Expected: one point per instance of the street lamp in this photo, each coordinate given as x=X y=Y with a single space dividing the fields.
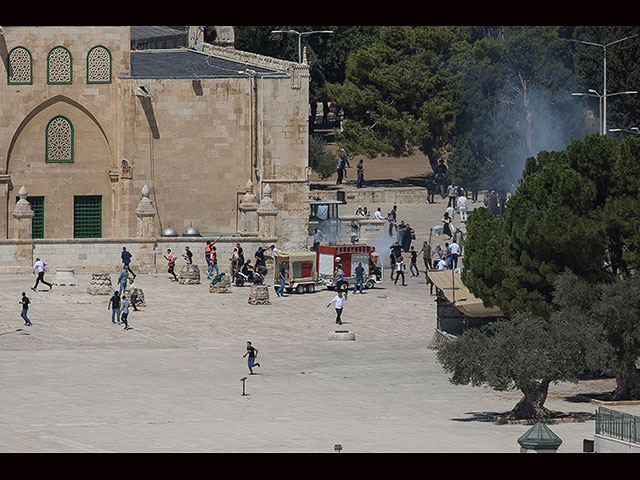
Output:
x=603 y=99
x=634 y=130
x=604 y=93
x=300 y=35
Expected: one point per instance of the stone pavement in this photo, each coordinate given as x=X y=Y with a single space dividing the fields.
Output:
x=73 y=382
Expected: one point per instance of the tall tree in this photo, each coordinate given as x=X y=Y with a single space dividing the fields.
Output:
x=397 y=93
x=572 y=209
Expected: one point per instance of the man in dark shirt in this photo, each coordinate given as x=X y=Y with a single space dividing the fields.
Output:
x=114 y=305
x=188 y=255
x=359 y=278
x=25 y=307
x=126 y=259
x=253 y=353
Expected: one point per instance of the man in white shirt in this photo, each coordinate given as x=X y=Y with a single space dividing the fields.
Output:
x=455 y=253
x=442 y=265
x=337 y=300
x=39 y=267
x=377 y=215
x=461 y=205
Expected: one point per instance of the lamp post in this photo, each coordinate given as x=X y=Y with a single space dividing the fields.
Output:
x=634 y=130
x=602 y=99
x=300 y=35
x=604 y=93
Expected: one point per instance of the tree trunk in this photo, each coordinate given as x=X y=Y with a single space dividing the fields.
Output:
x=628 y=384
x=531 y=406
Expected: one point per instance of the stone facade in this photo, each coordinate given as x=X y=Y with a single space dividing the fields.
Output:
x=191 y=144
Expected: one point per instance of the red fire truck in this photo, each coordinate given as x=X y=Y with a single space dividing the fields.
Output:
x=330 y=256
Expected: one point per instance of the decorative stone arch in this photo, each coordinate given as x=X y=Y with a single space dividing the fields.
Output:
x=59 y=66
x=32 y=114
x=99 y=64
x=19 y=66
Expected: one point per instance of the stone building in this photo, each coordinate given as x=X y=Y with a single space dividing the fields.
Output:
x=88 y=121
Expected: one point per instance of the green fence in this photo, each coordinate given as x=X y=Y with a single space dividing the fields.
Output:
x=618 y=425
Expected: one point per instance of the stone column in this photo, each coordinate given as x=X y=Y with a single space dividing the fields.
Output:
x=23 y=215
x=146 y=213
x=248 y=216
x=267 y=214
x=5 y=187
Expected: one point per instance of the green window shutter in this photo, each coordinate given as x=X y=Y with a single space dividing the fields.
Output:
x=37 y=223
x=87 y=216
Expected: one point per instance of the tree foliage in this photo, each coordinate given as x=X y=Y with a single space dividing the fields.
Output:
x=527 y=353
x=573 y=209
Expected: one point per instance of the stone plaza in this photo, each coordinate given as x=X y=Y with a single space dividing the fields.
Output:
x=74 y=382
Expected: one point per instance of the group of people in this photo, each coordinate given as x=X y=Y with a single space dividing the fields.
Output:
x=343 y=164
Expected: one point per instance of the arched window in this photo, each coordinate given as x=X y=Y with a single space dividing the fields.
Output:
x=59 y=66
x=20 y=67
x=99 y=65
x=59 y=141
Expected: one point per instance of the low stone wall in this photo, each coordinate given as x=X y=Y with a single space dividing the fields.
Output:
x=103 y=255
x=375 y=195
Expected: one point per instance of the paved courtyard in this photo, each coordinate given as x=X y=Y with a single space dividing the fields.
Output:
x=73 y=382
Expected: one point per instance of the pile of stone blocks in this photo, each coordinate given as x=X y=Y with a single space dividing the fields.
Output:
x=100 y=284
x=189 y=274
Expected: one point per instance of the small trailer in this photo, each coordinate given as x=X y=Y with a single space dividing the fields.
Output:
x=348 y=256
x=300 y=271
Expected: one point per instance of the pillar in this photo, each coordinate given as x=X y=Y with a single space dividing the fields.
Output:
x=23 y=215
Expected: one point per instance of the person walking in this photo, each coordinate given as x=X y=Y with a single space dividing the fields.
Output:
x=426 y=254
x=252 y=353
x=126 y=260
x=39 y=267
x=462 y=206
x=359 y=278
x=338 y=301
x=455 y=253
x=133 y=294
x=171 y=262
x=392 y=223
x=412 y=264
x=360 y=170
x=207 y=258
x=214 y=261
x=451 y=192
x=339 y=275
x=122 y=280
x=281 y=279
x=400 y=267
x=124 y=312
x=25 y=308
x=114 y=305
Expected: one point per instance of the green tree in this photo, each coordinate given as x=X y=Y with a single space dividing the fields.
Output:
x=527 y=353
x=321 y=160
x=398 y=92
x=571 y=209
x=614 y=308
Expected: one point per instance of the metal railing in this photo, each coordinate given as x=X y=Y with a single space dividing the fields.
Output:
x=622 y=426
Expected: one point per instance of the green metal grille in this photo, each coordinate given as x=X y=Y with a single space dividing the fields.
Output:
x=618 y=425
x=37 y=223
x=87 y=216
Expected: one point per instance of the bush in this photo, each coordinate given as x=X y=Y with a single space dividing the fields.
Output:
x=321 y=160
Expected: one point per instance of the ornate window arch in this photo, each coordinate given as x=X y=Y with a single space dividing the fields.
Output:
x=59 y=66
x=59 y=140
x=20 y=67
x=99 y=65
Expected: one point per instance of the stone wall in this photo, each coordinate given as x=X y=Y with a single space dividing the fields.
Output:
x=103 y=255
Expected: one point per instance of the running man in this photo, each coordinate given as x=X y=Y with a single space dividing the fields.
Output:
x=39 y=266
x=171 y=261
x=251 y=361
x=338 y=299
x=25 y=307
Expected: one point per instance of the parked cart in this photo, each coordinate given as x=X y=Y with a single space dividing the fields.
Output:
x=300 y=267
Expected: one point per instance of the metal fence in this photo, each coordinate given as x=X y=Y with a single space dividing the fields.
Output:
x=622 y=426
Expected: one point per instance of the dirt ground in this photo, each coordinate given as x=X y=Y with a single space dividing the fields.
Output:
x=381 y=170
